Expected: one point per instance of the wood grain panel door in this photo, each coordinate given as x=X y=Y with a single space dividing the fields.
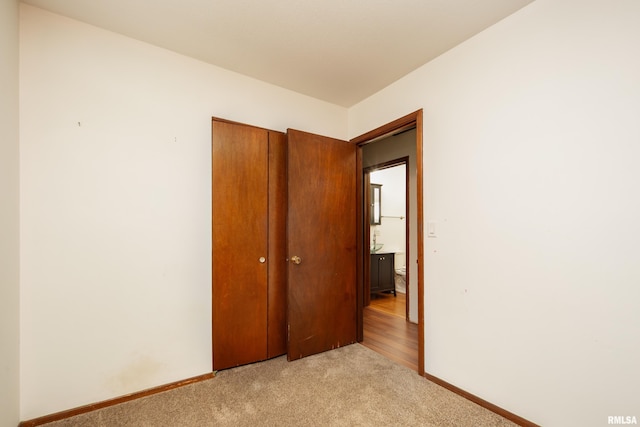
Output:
x=322 y=234
x=248 y=267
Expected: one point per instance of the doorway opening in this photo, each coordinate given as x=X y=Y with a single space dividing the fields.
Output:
x=398 y=142
x=389 y=322
x=389 y=232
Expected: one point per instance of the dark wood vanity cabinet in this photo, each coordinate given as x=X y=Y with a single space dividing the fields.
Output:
x=382 y=273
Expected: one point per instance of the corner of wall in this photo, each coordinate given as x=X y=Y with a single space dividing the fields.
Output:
x=9 y=216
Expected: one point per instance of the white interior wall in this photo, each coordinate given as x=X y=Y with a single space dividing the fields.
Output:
x=392 y=230
x=531 y=143
x=9 y=216
x=393 y=148
x=529 y=171
x=116 y=207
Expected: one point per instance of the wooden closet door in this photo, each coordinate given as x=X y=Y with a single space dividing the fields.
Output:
x=277 y=259
x=240 y=178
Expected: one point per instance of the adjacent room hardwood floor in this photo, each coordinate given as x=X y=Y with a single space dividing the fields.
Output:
x=389 y=304
x=387 y=332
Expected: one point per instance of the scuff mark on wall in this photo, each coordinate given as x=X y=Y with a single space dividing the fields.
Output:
x=137 y=375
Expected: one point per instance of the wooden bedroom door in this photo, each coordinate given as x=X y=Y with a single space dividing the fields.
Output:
x=322 y=244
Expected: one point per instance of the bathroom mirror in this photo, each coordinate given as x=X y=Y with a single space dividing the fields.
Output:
x=376 y=203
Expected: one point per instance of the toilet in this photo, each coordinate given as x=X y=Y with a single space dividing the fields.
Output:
x=401 y=273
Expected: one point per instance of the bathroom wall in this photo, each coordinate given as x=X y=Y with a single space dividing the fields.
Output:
x=392 y=232
x=116 y=207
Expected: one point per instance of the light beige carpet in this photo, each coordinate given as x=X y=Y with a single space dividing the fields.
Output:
x=349 y=386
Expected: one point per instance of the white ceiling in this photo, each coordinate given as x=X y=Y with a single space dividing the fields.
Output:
x=341 y=51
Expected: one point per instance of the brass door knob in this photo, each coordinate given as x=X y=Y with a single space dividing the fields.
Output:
x=296 y=259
